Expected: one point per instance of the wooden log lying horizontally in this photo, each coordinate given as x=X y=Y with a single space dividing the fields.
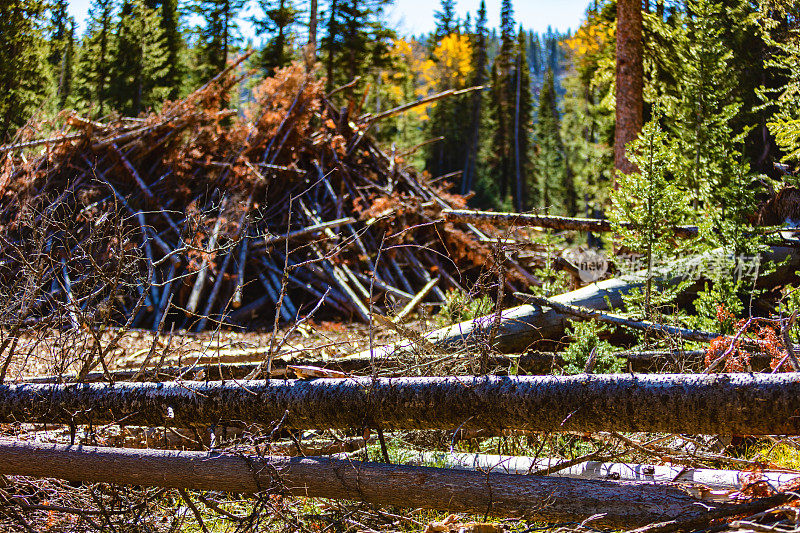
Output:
x=530 y=363
x=521 y=326
x=531 y=497
x=547 y=221
x=720 y=482
x=742 y=404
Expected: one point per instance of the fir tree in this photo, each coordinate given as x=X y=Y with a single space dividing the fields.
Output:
x=96 y=51
x=139 y=61
x=445 y=20
x=60 y=56
x=218 y=33
x=550 y=169
x=479 y=59
x=357 y=40
x=279 y=17
x=67 y=63
x=522 y=121
x=702 y=115
x=23 y=72
x=502 y=162
x=59 y=26
x=175 y=75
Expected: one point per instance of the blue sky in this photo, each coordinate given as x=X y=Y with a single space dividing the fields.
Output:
x=416 y=16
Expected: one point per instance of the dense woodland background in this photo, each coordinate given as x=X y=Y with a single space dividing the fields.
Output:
x=721 y=84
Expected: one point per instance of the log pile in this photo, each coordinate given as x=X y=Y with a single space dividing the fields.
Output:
x=206 y=214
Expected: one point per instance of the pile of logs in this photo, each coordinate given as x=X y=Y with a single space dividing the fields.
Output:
x=207 y=215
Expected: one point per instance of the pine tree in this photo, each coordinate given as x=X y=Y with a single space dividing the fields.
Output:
x=479 y=59
x=502 y=162
x=67 y=63
x=175 y=76
x=61 y=45
x=59 y=26
x=522 y=120
x=445 y=19
x=708 y=156
x=139 y=62
x=218 y=34
x=279 y=17
x=550 y=169
x=23 y=72
x=97 y=49
x=649 y=202
x=357 y=40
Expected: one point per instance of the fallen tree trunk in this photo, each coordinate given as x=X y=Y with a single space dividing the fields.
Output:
x=548 y=221
x=742 y=404
x=709 y=483
x=531 y=363
x=531 y=497
x=521 y=326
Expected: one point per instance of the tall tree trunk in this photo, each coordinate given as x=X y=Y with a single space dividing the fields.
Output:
x=312 y=26
x=630 y=74
x=536 y=498
x=743 y=404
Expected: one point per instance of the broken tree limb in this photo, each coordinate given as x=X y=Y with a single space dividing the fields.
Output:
x=523 y=325
x=643 y=325
x=410 y=306
x=743 y=404
x=309 y=231
x=548 y=221
x=531 y=497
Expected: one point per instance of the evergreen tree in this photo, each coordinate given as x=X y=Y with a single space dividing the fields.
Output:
x=67 y=62
x=522 y=120
x=139 y=61
x=535 y=54
x=279 y=17
x=218 y=34
x=445 y=20
x=550 y=169
x=502 y=161
x=175 y=75
x=357 y=40
x=97 y=49
x=479 y=59
x=61 y=45
x=707 y=149
x=23 y=73
x=59 y=26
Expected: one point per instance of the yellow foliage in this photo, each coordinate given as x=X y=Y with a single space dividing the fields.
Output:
x=590 y=39
x=450 y=65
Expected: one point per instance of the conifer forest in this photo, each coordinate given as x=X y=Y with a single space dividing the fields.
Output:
x=293 y=265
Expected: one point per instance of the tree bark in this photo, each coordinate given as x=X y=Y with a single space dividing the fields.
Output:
x=530 y=497
x=523 y=325
x=630 y=75
x=743 y=404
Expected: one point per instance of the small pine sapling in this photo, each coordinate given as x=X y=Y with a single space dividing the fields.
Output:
x=649 y=202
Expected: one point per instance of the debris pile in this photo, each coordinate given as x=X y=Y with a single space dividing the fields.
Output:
x=200 y=215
